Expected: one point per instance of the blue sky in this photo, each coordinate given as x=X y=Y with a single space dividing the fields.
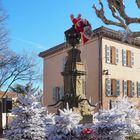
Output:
x=40 y=24
x=37 y=25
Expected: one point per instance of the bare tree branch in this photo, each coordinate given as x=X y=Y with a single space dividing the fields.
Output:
x=118 y=6
x=138 y=3
x=20 y=68
x=100 y=13
x=114 y=13
x=9 y=85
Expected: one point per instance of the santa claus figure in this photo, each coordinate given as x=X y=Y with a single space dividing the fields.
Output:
x=82 y=26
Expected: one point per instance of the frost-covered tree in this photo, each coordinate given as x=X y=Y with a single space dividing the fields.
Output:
x=29 y=119
x=109 y=125
x=65 y=125
x=119 y=122
x=131 y=113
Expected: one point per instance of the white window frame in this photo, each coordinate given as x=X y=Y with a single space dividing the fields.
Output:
x=124 y=57
x=107 y=54
x=133 y=88
x=117 y=55
x=132 y=58
x=108 y=87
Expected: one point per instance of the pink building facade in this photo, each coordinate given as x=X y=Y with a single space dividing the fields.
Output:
x=112 y=67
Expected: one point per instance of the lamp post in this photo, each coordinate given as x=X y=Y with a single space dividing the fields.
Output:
x=70 y=72
x=72 y=36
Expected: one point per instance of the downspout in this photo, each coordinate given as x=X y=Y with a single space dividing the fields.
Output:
x=100 y=73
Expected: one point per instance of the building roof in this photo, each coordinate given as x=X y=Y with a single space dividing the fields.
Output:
x=99 y=32
x=8 y=94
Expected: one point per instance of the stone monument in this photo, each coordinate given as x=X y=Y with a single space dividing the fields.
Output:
x=74 y=75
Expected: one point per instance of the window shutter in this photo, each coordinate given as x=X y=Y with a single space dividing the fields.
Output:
x=107 y=53
x=117 y=56
x=133 y=88
x=128 y=58
x=125 y=87
x=124 y=57
x=132 y=58
x=129 y=88
x=138 y=88
x=60 y=93
x=108 y=87
x=113 y=55
x=117 y=87
x=113 y=87
x=54 y=94
x=57 y=93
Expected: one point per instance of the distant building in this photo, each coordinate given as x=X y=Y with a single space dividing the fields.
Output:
x=112 y=67
x=8 y=101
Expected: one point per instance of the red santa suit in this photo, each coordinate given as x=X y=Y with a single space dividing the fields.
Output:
x=82 y=26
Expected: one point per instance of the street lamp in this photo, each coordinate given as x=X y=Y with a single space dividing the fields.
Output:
x=72 y=36
x=74 y=76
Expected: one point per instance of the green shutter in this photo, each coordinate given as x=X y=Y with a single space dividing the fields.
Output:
x=117 y=87
x=133 y=88
x=138 y=88
x=108 y=87
x=124 y=87
x=60 y=93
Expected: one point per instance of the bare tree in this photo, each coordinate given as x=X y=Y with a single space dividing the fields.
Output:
x=13 y=67
x=20 y=68
x=117 y=8
x=4 y=39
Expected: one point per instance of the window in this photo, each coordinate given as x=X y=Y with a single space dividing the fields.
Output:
x=138 y=88
x=124 y=87
x=117 y=56
x=133 y=88
x=112 y=87
x=124 y=57
x=57 y=94
x=127 y=58
x=132 y=58
x=108 y=87
x=112 y=55
x=107 y=53
x=117 y=87
x=128 y=88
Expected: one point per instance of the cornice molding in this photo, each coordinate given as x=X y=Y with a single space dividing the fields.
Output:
x=99 y=32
